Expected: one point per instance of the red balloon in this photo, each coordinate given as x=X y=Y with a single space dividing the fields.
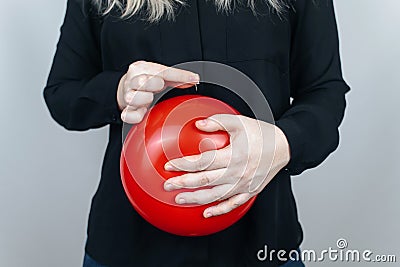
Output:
x=168 y=131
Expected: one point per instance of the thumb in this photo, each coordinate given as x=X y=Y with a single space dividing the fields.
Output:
x=219 y=122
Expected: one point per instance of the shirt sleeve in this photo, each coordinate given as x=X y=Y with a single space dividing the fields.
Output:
x=79 y=93
x=317 y=87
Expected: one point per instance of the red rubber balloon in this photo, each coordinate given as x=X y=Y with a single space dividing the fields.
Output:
x=168 y=131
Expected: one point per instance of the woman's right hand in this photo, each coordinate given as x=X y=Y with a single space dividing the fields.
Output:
x=137 y=87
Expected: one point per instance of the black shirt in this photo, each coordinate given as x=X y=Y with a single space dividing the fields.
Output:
x=293 y=55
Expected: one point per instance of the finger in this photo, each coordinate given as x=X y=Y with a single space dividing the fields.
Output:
x=179 y=85
x=132 y=116
x=195 y=180
x=227 y=206
x=145 y=82
x=166 y=73
x=209 y=160
x=221 y=122
x=203 y=196
x=137 y=99
x=179 y=76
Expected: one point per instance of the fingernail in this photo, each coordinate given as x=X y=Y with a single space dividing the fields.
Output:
x=195 y=78
x=202 y=122
x=208 y=215
x=168 y=186
x=181 y=201
x=168 y=166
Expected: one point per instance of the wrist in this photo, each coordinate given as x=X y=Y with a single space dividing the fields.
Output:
x=120 y=95
x=282 y=148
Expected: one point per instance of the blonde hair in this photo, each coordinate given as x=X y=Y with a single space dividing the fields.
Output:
x=156 y=9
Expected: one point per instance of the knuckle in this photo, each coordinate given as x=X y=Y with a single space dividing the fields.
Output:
x=201 y=164
x=141 y=80
x=198 y=165
x=190 y=179
x=235 y=204
x=131 y=101
x=215 y=196
x=215 y=117
x=133 y=67
x=128 y=99
x=127 y=83
x=227 y=208
x=194 y=198
x=179 y=182
x=204 y=179
x=137 y=63
x=222 y=208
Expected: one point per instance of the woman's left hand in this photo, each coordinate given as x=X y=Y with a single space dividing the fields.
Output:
x=257 y=152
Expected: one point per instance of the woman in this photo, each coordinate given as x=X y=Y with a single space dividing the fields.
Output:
x=113 y=56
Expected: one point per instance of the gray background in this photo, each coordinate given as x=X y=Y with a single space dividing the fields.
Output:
x=48 y=175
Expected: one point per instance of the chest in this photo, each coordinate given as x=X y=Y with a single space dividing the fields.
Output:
x=199 y=32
